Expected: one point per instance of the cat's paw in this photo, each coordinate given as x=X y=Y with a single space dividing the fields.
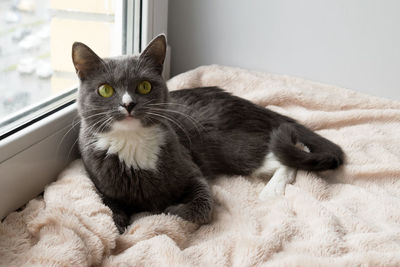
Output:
x=121 y=221
x=189 y=213
x=277 y=185
x=121 y=229
x=179 y=209
x=272 y=190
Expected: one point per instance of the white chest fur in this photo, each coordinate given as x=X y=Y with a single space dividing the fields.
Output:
x=135 y=145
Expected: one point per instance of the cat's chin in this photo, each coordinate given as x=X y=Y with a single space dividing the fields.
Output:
x=126 y=124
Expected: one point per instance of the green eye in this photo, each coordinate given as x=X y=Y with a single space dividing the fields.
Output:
x=144 y=88
x=106 y=90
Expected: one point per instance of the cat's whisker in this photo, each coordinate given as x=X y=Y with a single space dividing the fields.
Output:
x=90 y=105
x=173 y=121
x=180 y=126
x=98 y=121
x=170 y=103
x=176 y=104
x=195 y=123
x=108 y=112
x=90 y=112
x=70 y=150
x=163 y=116
x=101 y=114
x=107 y=124
x=104 y=124
x=92 y=127
x=152 y=120
x=96 y=114
x=94 y=107
x=72 y=126
x=147 y=103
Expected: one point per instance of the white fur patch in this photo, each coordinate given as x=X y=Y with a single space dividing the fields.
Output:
x=269 y=166
x=135 y=145
x=126 y=99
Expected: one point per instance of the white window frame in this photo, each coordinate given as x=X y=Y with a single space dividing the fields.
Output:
x=32 y=157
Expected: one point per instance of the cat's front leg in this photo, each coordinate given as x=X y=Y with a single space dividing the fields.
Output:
x=120 y=217
x=198 y=204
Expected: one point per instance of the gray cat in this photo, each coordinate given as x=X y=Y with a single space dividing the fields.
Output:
x=147 y=149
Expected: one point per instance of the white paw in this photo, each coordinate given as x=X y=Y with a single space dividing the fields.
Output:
x=277 y=185
x=272 y=190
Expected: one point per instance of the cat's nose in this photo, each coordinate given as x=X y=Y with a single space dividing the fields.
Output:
x=129 y=106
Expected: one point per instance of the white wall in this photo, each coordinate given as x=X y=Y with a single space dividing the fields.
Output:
x=350 y=43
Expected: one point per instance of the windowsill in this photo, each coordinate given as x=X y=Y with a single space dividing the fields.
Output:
x=33 y=156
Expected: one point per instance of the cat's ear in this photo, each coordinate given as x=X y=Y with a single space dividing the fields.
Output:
x=84 y=59
x=155 y=52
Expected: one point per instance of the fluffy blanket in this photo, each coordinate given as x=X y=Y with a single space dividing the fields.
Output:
x=350 y=216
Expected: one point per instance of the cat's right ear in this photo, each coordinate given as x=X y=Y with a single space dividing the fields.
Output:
x=155 y=52
x=84 y=59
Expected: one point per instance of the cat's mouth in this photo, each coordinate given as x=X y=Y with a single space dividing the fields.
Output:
x=128 y=118
x=126 y=123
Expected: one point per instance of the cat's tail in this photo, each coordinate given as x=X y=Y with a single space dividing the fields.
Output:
x=287 y=143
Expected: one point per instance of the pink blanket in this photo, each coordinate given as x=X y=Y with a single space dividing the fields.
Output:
x=350 y=216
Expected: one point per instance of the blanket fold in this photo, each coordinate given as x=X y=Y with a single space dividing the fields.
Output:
x=350 y=216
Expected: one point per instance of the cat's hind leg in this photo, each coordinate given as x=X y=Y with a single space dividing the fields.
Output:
x=282 y=175
x=276 y=186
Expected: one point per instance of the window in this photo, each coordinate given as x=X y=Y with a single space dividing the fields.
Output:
x=37 y=74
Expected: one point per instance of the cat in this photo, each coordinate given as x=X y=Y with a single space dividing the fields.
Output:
x=148 y=149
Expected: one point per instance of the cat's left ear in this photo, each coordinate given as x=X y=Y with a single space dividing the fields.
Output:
x=155 y=52
x=85 y=60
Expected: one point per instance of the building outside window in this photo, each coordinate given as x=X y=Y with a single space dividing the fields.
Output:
x=35 y=50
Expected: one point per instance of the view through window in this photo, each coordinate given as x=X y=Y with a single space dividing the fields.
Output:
x=35 y=48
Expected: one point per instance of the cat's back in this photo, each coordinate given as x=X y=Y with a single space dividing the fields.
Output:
x=193 y=95
x=222 y=131
x=214 y=108
x=202 y=102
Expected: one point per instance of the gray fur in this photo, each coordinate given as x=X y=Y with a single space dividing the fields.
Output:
x=208 y=132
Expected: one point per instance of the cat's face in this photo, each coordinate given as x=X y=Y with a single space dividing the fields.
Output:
x=120 y=90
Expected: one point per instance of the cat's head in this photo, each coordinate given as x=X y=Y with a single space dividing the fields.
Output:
x=120 y=90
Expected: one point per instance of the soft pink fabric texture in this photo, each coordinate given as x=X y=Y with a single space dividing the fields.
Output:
x=350 y=216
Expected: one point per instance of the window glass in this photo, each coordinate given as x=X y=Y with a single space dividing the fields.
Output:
x=35 y=49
